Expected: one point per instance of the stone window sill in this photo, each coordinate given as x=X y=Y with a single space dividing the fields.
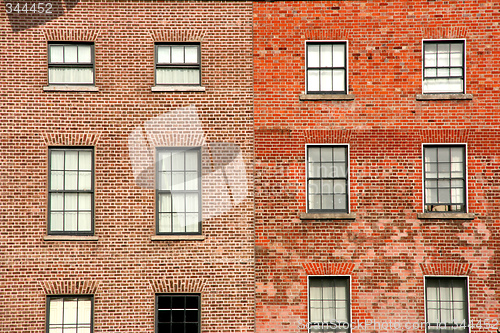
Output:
x=71 y=88
x=327 y=216
x=434 y=97
x=178 y=238
x=446 y=216
x=70 y=238
x=177 y=88
x=327 y=97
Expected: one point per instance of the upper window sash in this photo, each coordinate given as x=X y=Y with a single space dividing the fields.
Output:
x=326 y=67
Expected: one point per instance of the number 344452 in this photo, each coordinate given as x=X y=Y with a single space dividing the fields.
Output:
x=35 y=8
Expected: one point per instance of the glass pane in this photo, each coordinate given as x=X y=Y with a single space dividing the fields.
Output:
x=338 y=80
x=316 y=311
x=177 y=76
x=84 y=221
x=443 y=154
x=178 y=160
x=192 y=222
x=456 y=72
x=430 y=57
x=444 y=195
x=164 y=223
x=444 y=170
x=85 y=160
x=327 y=186
x=339 y=154
x=326 y=55
x=445 y=312
x=326 y=80
x=56 y=311
x=70 y=313
x=338 y=55
x=430 y=72
x=178 y=201
x=70 y=180
x=191 y=181
x=430 y=155
x=56 y=201
x=56 y=221
x=430 y=48
x=443 y=85
x=71 y=160
x=432 y=315
x=339 y=186
x=56 y=53
x=165 y=203
x=458 y=293
x=457 y=195
x=178 y=181
x=179 y=222
x=340 y=170
x=443 y=72
x=328 y=290
x=164 y=181
x=84 y=311
x=327 y=202
x=191 y=54
x=313 y=80
x=191 y=316
x=177 y=54
x=57 y=160
x=70 y=53
x=192 y=202
x=314 y=289
x=164 y=161
x=71 y=75
x=456 y=55
x=314 y=186
x=83 y=330
x=71 y=201
x=326 y=154
x=431 y=170
x=85 y=181
x=443 y=55
x=457 y=154
x=341 y=314
x=314 y=201
x=312 y=55
x=163 y=54
x=315 y=170
x=458 y=314
x=327 y=170
x=431 y=195
x=328 y=311
x=341 y=289
x=340 y=202
x=192 y=160
x=314 y=155
x=71 y=221
x=85 y=54
x=445 y=290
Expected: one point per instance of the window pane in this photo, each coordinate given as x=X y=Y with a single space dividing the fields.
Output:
x=314 y=186
x=85 y=181
x=315 y=289
x=341 y=289
x=56 y=311
x=178 y=181
x=316 y=311
x=192 y=160
x=443 y=72
x=164 y=223
x=430 y=57
x=313 y=80
x=327 y=202
x=340 y=170
x=458 y=292
x=326 y=154
x=338 y=55
x=192 y=221
x=177 y=76
x=314 y=169
x=338 y=80
x=326 y=55
x=457 y=154
x=456 y=55
x=71 y=160
x=444 y=154
x=339 y=154
x=314 y=201
x=192 y=202
x=84 y=221
x=328 y=311
x=314 y=154
x=70 y=313
x=191 y=54
x=339 y=186
x=431 y=170
x=178 y=200
x=191 y=180
x=327 y=170
x=84 y=311
x=430 y=72
x=456 y=72
x=56 y=221
x=56 y=201
x=430 y=155
x=326 y=80
x=57 y=160
x=179 y=222
x=70 y=221
x=71 y=201
x=70 y=180
x=56 y=53
x=84 y=54
x=443 y=85
x=85 y=160
x=177 y=54
x=444 y=195
x=430 y=195
x=327 y=186
x=313 y=55
x=70 y=53
x=163 y=54
x=71 y=75
x=443 y=55
x=457 y=195
x=340 y=202
x=165 y=203
x=444 y=170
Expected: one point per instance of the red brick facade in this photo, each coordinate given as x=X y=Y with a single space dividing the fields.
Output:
x=388 y=247
x=124 y=121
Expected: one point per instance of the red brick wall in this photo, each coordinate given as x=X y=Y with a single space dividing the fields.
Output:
x=125 y=268
x=385 y=127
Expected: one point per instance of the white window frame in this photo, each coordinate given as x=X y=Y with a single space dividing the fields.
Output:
x=346 y=63
x=443 y=40
x=350 y=297
x=466 y=190
x=348 y=172
x=447 y=276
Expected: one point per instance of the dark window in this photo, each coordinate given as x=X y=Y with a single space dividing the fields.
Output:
x=327 y=179
x=178 y=64
x=71 y=63
x=70 y=314
x=444 y=178
x=444 y=64
x=446 y=304
x=178 y=313
x=71 y=190
x=326 y=67
x=329 y=304
x=178 y=191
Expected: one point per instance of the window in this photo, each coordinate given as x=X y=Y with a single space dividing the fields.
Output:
x=446 y=304
x=444 y=64
x=71 y=193
x=444 y=178
x=178 y=313
x=327 y=179
x=178 y=64
x=70 y=314
x=178 y=191
x=329 y=304
x=71 y=63
x=326 y=69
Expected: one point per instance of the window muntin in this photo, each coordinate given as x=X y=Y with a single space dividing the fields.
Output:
x=71 y=190
x=446 y=304
x=329 y=304
x=444 y=67
x=178 y=64
x=71 y=63
x=70 y=314
x=327 y=178
x=178 y=191
x=326 y=67
x=444 y=178
x=178 y=313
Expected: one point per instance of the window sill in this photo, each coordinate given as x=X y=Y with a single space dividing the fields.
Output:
x=326 y=97
x=177 y=88
x=433 y=97
x=327 y=216
x=178 y=237
x=71 y=88
x=446 y=216
x=70 y=238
